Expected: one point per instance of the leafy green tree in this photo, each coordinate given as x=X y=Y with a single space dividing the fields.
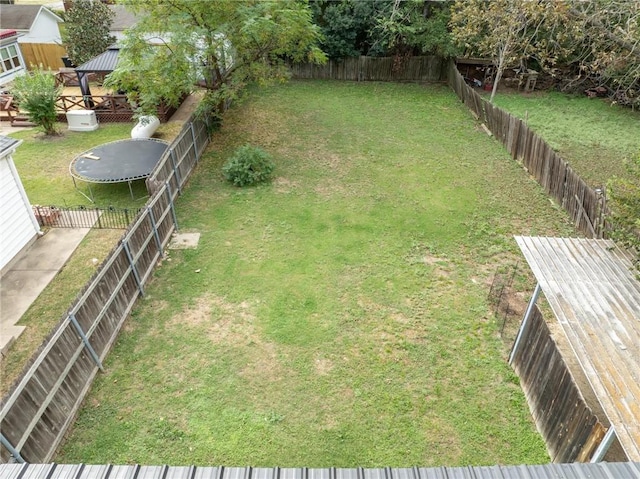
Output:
x=605 y=41
x=348 y=26
x=418 y=27
x=509 y=31
x=220 y=46
x=36 y=92
x=86 y=33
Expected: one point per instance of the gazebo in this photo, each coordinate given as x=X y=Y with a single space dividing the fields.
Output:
x=103 y=64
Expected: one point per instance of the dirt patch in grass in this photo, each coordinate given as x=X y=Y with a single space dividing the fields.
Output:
x=284 y=185
x=233 y=325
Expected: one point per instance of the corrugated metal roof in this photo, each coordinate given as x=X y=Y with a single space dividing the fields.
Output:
x=592 y=289
x=601 y=470
x=103 y=63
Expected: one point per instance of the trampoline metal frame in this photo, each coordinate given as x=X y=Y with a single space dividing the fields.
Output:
x=75 y=176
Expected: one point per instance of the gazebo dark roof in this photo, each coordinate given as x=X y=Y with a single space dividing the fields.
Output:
x=104 y=63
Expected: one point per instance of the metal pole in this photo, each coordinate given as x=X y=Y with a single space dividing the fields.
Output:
x=525 y=320
x=173 y=210
x=12 y=450
x=125 y=245
x=155 y=230
x=85 y=340
x=195 y=144
x=176 y=173
x=604 y=445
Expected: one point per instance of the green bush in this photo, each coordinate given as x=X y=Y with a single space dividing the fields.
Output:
x=249 y=165
x=36 y=92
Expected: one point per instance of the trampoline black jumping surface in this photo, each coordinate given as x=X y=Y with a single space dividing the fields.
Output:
x=118 y=161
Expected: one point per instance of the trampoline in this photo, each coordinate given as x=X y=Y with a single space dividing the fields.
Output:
x=117 y=162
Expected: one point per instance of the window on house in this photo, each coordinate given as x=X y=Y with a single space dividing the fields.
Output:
x=10 y=58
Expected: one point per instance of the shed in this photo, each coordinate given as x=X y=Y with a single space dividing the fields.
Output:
x=592 y=290
x=18 y=225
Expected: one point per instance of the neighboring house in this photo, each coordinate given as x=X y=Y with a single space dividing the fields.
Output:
x=13 y=64
x=38 y=33
x=123 y=19
x=18 y=225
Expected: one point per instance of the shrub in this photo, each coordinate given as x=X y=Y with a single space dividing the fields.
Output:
x=36 y=92
x=249 y=165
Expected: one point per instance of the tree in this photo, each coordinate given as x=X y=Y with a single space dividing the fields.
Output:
x=348 y=26
x=219 y=46
x=36 y=92
x=417 y=27
x=86 y=33
x=509 y=31
x=606 y=38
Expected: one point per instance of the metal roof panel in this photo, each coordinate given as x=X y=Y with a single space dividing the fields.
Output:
x=595 y=297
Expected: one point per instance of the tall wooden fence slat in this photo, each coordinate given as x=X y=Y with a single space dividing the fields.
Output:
x=36 y=414
x=400 y=69
x=584 y=204
x=46 y=54
x=569 y=427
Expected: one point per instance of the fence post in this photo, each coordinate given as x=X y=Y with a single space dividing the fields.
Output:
x=155 y=230
x=12 y=450
x=176 y=173
x=195 y=143
x=525 y=320
x=173 y=210
x=125 y=246
x=85 y=340
x=98 y=215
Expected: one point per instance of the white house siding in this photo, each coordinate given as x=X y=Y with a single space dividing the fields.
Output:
x=44 y=29
x=18 y=225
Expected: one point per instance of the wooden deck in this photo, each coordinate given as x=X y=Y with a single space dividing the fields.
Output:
x=591 y=287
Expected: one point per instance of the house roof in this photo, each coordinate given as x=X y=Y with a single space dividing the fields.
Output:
x=601 y=470
x=123 y=18
x=592 y=290
x=105 y=62
x=21 y=17
x=7 y=145
x=7 y=34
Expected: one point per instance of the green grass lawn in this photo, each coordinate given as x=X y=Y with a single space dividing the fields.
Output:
x=592 y=135
x=43 y=165
x=337 y=316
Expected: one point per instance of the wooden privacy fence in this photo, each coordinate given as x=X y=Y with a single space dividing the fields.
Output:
x=586 y=206
x=570 y=429
x=48 y=55
x=36 y=414
x=414 y=69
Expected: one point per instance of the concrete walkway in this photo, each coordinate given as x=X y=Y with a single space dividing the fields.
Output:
x=21 y=285
x=30 y=275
